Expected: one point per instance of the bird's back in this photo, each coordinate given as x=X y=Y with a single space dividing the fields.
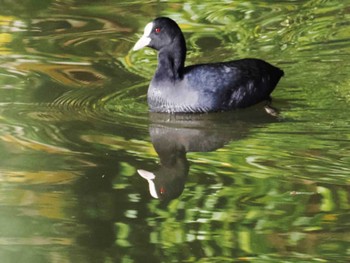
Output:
x=233 y=84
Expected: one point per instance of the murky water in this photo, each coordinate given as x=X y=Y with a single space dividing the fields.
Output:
x=233 y=187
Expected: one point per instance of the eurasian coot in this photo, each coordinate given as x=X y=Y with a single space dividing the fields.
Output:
x=205 y=87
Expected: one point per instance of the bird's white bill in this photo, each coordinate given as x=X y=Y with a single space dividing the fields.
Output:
x=145 y=39
x=149 y=177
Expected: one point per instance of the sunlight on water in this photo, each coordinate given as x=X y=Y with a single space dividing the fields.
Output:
x=82 y=159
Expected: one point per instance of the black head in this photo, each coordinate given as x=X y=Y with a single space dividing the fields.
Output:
x=161 y=32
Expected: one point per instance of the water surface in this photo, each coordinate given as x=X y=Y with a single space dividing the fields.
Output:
x=242 y=186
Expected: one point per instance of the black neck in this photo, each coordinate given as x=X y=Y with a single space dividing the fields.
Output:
x=171 y=60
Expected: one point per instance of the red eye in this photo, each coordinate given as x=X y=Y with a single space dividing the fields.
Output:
x=157 y=29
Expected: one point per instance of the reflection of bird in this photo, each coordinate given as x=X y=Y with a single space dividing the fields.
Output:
x=168 y=181
x=173 y=136
x=206 y=87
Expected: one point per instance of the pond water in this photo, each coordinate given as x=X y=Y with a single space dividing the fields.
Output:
x=242 y=186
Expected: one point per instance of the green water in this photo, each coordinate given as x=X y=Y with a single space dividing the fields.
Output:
x=237 y=187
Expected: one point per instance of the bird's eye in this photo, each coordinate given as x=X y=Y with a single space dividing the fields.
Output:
x=157 y=30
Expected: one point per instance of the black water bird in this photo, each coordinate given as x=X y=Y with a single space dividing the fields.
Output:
x=205 y=87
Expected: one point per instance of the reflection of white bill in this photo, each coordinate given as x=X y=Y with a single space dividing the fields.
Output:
x=149 y=177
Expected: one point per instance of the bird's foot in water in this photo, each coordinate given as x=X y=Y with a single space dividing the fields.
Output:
x=271 y=110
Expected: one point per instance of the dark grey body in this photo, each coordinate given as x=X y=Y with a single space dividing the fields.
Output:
x=215 y=87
